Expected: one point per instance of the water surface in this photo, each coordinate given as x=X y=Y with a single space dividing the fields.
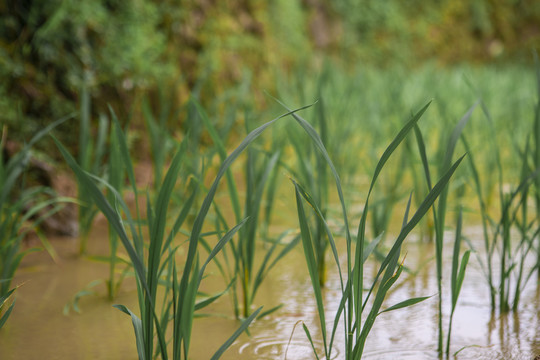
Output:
x=38 y=329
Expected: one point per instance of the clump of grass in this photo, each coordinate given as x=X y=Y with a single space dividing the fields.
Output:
x=159 y=137
x=157 y=263
x=535 y=153
x=115 y=172
x=459 y=266
x=500 y=246
x=21 y=211
x=90 y=158
x=239 y=258
x=354 y=302
x=4 y=314
x=311 y=170
x=439 y=216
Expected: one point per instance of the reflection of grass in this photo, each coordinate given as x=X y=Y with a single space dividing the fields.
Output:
x=21 y=211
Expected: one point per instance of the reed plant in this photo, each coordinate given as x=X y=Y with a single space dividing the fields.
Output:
x=115 y=177
x=91 y=158
x=387 y=197
x=312 y=171
x=459 y=266
x=535 y=153
x=155 y=261
x=159 y=137
x=509 y=234
x=358 y=310
x=444 y=159
x=5 y=306
x=239 y=265
x=22 y=210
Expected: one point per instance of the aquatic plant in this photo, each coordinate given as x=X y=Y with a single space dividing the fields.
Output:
x=4 y=314
x=459 y=266
x=160 y=255
x=535 y=152
x=439 y=216
x=499 y=245
x=239 y=257
x=22 y=210
x=158 y=135
x=353 y=303
x=312 y=171
x=91 y=158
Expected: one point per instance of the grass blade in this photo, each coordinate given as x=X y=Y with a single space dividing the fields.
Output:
x=236 y=334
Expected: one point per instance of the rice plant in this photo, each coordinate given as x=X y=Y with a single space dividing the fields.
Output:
x=535 y=153
x=5 y=307
x=159 y=137
x=239 y=257
x=384 y=202
x=115 y=172
x=459 y=266
x=21 y=211
x=90 y=158
x=160 y=252
x=501 y=247
x=354 y=302
x=440 y=210
x=313 y=173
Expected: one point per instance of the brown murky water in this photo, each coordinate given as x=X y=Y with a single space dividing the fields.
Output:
x=37 y=328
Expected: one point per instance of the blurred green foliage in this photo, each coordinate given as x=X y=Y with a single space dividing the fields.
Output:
x=449 y=30
x=124 y=50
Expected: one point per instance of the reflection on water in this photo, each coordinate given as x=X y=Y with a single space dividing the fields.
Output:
x=38 y=330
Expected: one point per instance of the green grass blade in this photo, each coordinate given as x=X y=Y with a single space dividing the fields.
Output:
x=126 y=160
x=455 y=259
x=420 y=212
x=311 y=262
x=266 y=265
x=319 y=213
x=308 y=334
x=269 y=311
x=5 y=315
x=184 y=212
x=320 y=145
x=111 y=215
x=219 y=246
x=17 y=163
x=220 y=146
x=3 y=300
x=405 y=303
x=422 y=150
x=158 y=229
x=454 y=137
x=137 y=326
x=395 y=143
x=235 y=335
x=461 y=274
x=205 y=207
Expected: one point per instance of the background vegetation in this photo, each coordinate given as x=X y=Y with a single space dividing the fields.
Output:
x=193 y=76
x=124 y=50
